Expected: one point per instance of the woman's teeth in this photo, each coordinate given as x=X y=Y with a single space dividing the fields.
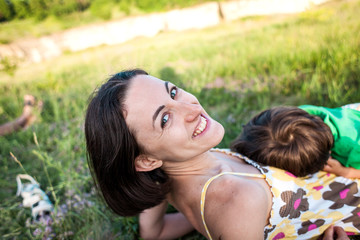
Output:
x=201 y=127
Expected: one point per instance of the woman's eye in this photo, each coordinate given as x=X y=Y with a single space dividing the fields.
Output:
x=164 y=120
x=173 y=92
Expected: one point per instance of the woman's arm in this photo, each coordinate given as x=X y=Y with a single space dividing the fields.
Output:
x=155 y=224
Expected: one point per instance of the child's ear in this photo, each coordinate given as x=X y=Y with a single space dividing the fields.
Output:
x=147 y=164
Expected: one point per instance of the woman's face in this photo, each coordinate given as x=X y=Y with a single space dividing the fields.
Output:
x=168 y=122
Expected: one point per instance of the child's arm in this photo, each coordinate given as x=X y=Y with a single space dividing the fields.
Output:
x=155 y=224
x=335 y=167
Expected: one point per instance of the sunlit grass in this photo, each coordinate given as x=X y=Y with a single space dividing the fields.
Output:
x=235 y=69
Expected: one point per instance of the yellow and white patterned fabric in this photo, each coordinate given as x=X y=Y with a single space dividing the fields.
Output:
x=303 y=208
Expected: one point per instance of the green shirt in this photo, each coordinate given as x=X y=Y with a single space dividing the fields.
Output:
x=345 y=127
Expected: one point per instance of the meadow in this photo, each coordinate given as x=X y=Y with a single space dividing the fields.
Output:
x=236 y=69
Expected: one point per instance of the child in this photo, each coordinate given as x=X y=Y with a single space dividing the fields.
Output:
x=299 y=140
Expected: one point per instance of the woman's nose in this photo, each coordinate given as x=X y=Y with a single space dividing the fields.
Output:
x=191 y=111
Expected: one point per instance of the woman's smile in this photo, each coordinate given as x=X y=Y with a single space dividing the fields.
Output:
x=202 y=126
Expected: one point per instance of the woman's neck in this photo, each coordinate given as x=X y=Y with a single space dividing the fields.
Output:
x=204 y=164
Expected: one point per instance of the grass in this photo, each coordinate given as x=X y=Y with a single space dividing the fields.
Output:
x=256 y=63
x=32 y=28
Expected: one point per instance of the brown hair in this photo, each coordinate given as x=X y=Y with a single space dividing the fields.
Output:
x=288 y=138
x=112 y=149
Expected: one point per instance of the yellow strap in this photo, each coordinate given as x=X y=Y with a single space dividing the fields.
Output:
x=203 y=192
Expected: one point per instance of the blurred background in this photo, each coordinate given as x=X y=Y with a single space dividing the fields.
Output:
x=237 y=57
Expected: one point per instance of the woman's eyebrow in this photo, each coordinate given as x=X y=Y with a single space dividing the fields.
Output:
x=167 y=86
x=157 y=113
x=162 y=106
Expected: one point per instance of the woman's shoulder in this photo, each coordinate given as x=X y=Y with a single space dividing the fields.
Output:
x=227 y=187
x=236 y=200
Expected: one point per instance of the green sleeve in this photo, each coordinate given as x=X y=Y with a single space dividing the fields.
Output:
x=347 y=151
x=345 y=127
x=325 y=115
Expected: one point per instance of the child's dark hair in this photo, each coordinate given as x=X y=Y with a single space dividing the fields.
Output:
x=112 y=149
x=288 y=138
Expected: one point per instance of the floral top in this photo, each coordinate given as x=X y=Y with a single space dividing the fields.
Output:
x=303 y=208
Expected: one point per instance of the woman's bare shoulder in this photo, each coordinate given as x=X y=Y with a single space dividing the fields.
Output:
x=226 y=187
x=236 y=206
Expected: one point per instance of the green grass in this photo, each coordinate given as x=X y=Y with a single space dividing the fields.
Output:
x=31 y=28
x=310 y=58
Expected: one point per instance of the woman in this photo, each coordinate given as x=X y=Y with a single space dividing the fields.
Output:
x=150 y=143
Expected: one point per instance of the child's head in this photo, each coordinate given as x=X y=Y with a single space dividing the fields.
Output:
x=288 y=138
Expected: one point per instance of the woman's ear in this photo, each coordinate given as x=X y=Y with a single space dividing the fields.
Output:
x=146 y=164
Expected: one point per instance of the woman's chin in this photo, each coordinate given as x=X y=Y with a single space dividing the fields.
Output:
x=218 y=134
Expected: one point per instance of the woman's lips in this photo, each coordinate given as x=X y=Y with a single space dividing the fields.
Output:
x=202 y=126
